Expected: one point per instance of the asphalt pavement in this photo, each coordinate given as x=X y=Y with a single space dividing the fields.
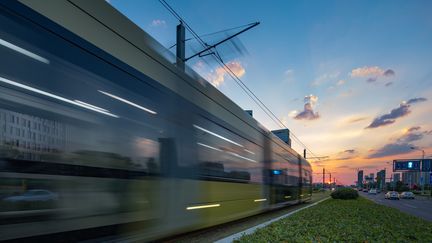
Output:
x=420 y=206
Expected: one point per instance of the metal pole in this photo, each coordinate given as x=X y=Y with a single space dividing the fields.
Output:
x=323 y=177
x=423 y=176
x=181 y=53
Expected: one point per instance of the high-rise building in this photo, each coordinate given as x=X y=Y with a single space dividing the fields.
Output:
x=360 y=179
x=411 y=178
x=284 y=135
x=381 y=179
x=396 y=177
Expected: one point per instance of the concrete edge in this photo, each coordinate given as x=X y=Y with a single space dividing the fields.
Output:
x=251 y=230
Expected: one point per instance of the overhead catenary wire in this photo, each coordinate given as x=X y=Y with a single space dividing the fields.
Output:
x=249 y=92
x=214 y=33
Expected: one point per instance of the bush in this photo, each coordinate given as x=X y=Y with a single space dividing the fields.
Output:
x=345 y=193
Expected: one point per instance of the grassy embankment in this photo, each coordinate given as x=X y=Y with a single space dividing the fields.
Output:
x=358 y=220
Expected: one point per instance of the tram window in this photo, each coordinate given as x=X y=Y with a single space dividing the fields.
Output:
x=96 y=128
x=223 y=154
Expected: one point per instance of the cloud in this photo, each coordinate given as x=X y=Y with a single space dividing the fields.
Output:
x=411 y=129
x=324 y=78
x=371 y=80
x=394 y=114
x=217 y=77
x=293 y=113
x=415 y=100
x=340 y=82
x=366 y=71
x=308 y=112
x=391 y=149
x=401 y=145
x=289 y=72
x=354 y=120
x=372 y=73
x=389 y=73
x=346 y=155
x=158 y=23
x=343 y=167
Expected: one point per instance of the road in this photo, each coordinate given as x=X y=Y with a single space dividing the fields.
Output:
x=420 y=206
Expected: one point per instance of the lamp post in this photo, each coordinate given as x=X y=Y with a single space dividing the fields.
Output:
x=421 y=176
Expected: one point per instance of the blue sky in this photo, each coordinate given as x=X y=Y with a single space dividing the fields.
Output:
x=326 y=50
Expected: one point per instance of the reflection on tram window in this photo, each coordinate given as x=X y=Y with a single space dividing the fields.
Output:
x=225 y=155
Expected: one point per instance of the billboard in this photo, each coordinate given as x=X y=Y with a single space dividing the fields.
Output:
x=406 y=165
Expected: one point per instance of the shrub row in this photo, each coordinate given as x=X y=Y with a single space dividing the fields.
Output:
x=345 y=193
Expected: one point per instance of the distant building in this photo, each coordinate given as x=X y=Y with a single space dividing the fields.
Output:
x=411 y=178
x=284 y=135
x=360 y=179
x=381 y=179
x=396 y=177
x=425 y=176
x=30 y=135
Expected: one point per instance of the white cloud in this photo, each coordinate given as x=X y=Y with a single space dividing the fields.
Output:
x=325 y=77
x=341 y=82
x=367 y=71
x=308 y=113
x=293 y=113
x=158 y=23
x=217 y=77
x=289 y=72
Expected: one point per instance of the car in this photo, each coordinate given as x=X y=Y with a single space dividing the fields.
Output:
x=407 y=195
x=372 y=191
x=365 y=190
x=392 y=195
x=378 y=190
x=35 y=195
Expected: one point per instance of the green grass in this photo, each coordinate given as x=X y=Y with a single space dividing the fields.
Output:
x=337 y=220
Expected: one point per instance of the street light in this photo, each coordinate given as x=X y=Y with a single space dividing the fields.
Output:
x=421 y=176
x=423 y=152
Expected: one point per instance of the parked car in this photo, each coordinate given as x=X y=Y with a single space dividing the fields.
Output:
x=365 y=190
x=378 y=190
x=392 y=195
x=372 y=191
x=407 y=195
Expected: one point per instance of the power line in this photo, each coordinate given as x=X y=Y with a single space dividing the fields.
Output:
x=233 y=75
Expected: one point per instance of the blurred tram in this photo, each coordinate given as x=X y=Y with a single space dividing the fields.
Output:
x=101 y=135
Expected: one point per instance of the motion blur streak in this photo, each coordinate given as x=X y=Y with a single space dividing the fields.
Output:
x=249 y=151
x=4 y=80
x=239 y=156
x=260 y=200
x=128 y=102
x=208 y=146
x=217 y=135
x=203 y=206
x=23 y=51
x=93 y=106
